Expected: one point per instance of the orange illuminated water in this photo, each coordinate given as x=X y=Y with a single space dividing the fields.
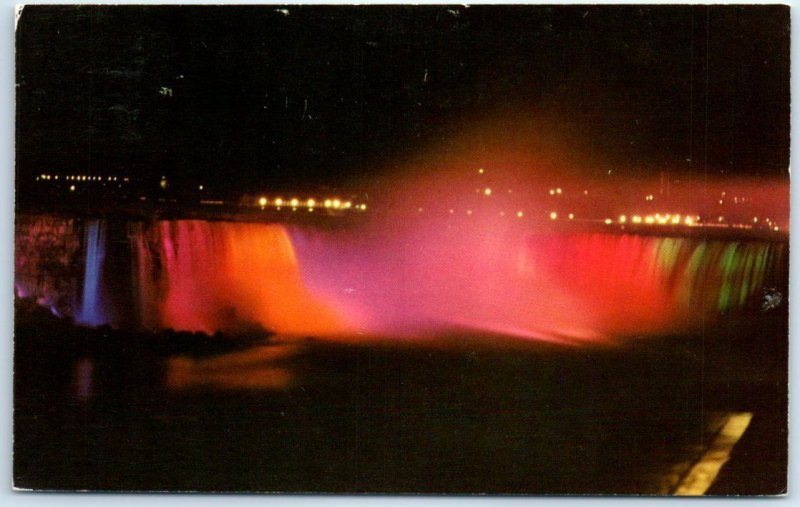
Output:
x=417 y=278
x=212 y=276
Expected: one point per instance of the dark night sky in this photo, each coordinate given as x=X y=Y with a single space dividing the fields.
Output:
x=325 y=95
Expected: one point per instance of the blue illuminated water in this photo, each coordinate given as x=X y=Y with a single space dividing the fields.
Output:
x=91 y=311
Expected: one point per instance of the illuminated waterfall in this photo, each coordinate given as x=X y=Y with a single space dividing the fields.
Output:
x=194 y=275
x=645 y=284
x=212 y=276
x=92 y=311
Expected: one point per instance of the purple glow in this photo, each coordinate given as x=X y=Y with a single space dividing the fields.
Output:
x=92 y=310
x=83 y=378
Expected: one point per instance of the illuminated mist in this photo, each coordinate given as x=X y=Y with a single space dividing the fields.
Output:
x=482 y=234
x=496 y=236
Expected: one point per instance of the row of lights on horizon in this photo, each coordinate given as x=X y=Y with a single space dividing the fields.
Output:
x=80 y=177
x=651 y=197
x=310 y=204
x=655 y=219
x=451 y=211
x=689 y=221
x=658 y=219
x=674 y=219
x=557 y=191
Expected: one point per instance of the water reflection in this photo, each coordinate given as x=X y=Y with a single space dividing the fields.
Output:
x=83 y=381
x=257 y=368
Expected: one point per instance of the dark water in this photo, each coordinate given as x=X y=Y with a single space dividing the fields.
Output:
x=103 y=409
x=455 y=410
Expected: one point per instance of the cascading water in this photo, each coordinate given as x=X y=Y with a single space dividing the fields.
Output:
x=422 y=280
x=643 y=284
x=92 y=310
x=210 y=276
x=553 y=286
x=46 y=252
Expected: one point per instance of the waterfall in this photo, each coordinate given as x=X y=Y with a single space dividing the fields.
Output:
x=210 y=276
x=46 y=251
x=635 y=284
x=92 y=311
x=195 y=275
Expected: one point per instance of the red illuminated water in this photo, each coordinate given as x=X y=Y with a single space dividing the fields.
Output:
x=45 y=251
x=420 y=279
x=565 y=287
x=462 y=236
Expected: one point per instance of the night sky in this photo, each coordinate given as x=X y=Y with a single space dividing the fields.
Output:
x=307 y=97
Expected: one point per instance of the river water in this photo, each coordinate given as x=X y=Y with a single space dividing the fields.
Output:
x=533 y=363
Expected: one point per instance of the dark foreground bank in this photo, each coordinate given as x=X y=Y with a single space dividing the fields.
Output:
x=110 y=410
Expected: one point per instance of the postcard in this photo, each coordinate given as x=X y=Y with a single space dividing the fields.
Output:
x=433 y=249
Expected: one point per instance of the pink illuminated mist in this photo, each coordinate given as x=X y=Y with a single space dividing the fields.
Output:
x=483 y=235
